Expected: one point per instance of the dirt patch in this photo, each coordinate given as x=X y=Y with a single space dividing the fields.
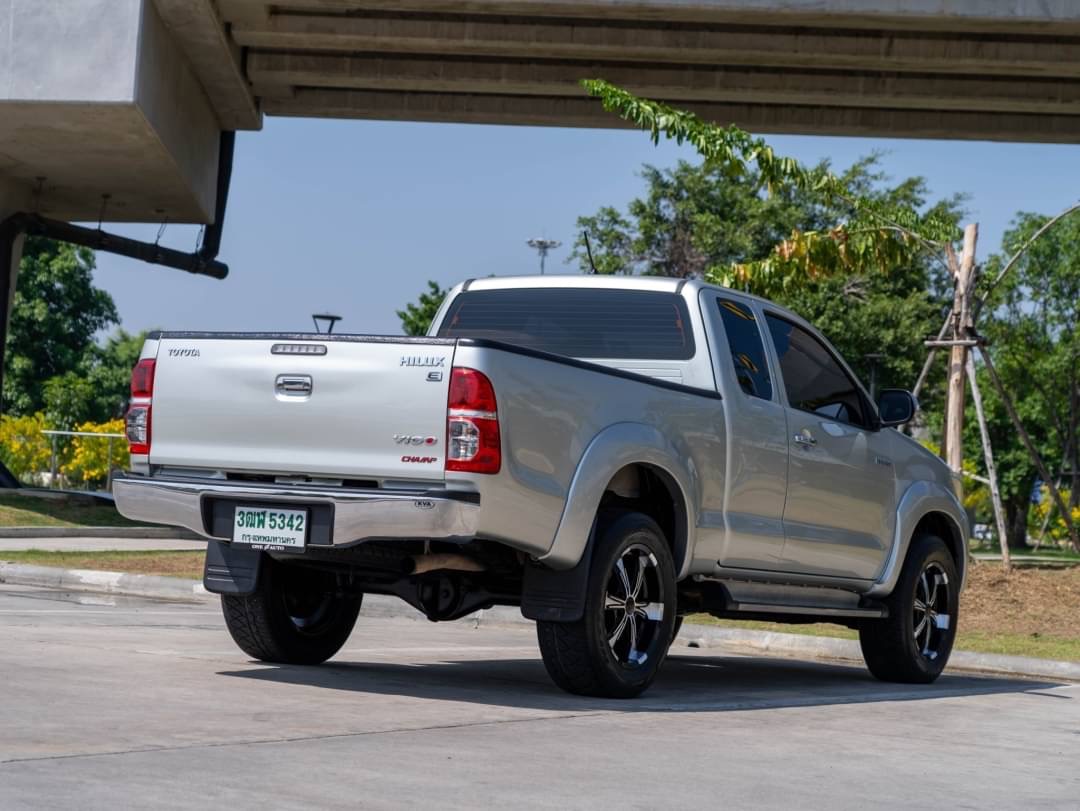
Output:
x=1027 y=601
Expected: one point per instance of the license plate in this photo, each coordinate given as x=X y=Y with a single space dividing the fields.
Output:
x=269 y=527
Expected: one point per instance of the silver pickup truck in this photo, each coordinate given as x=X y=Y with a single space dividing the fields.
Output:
x=609 y=454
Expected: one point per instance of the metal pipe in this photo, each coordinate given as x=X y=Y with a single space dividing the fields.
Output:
x=435 y=561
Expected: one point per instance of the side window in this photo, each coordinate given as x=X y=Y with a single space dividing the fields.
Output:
x=813 y=379
x=747 y=351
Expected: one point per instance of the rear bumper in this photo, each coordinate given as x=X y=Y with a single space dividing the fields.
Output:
x=358 y=515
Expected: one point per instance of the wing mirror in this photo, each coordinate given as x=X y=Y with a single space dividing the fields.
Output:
x=896 y=407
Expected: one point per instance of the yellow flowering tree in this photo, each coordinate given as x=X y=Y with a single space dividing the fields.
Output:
x=89 y=458
x=23 y=448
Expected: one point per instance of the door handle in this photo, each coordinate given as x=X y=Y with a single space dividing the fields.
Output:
x=805 y=438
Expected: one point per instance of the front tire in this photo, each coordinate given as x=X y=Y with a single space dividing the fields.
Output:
x=615 y=650
x=295 y=616
x=912 y=645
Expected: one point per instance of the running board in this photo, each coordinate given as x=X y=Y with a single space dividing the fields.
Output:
x=747 y=597
x=865 y=612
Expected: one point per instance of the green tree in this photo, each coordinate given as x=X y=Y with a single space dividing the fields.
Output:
x=97 y=390
x=864 y=233
x=55 y=314
x=416 y=318
x=693 y=217
x=1033 y=324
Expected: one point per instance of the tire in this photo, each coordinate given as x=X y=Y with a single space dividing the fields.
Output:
x=676 y=627
x=615 y=650
x=295 y=616
x=910 y=645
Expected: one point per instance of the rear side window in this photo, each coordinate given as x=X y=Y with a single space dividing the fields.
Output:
x=814 y=380
x=578 y=323
x=747 y=350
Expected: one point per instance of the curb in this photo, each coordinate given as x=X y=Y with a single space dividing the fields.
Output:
x=116 y=583
x=802 y=646
x=734 y=640
x=128 y=533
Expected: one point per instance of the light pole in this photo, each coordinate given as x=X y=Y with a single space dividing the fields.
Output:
x=542 y=247
x=325 y=317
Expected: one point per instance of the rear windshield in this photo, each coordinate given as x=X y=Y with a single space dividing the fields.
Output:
x=637 y=324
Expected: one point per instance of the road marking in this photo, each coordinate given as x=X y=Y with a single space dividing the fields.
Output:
x=111 y=612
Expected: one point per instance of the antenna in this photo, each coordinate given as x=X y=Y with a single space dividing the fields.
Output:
x=588 y=250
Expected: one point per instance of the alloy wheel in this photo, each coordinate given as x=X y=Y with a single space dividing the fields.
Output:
x=633 y=606
x=932 y=612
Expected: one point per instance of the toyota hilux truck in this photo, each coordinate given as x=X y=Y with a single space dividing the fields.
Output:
x=608 y=453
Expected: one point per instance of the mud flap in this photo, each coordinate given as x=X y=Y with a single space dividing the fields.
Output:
x=231 y=569
x=557 y=596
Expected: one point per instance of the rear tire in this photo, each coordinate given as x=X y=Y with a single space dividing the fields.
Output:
x=910 y=645
x=615 y=650
x=295 y=616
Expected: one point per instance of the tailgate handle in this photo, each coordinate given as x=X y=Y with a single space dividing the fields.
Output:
x=293 y=385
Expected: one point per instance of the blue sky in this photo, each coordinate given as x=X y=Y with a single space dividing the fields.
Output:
x=355 y=216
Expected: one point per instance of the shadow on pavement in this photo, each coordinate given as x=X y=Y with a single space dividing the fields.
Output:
x=686 y=684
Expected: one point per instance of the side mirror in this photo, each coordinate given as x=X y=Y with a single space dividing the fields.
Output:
x=896 y=407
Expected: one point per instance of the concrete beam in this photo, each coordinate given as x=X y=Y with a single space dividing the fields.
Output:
x=97 y=98
x=1057 y=17
x=215 y=58
x=821 y=49
x=277 y=74
x=584 y=112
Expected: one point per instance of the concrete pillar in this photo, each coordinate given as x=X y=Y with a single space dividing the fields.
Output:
x=13 y=199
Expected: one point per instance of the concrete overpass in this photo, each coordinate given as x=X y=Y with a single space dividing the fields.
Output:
x=127 y=97
x=114 y=109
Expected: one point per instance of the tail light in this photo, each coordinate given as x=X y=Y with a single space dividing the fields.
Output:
x=473 y=444
x=138 y=415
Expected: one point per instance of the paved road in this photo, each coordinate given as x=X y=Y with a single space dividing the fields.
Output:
x=118 y=704
x=97 y=544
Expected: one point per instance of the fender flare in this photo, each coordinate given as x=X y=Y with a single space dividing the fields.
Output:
x=554 y=585
x=920 y=499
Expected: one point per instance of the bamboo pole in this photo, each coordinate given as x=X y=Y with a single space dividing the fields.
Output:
x=1035 y=456
x=991 y=470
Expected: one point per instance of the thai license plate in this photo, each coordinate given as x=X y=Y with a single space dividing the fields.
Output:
x=269 y=528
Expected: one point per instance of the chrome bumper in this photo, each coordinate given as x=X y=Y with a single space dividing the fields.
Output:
x=359 y=515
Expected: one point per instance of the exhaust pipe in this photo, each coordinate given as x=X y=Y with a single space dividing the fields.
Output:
x=447 y=561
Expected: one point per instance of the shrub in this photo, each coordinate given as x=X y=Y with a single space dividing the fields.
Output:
x=23 y=448
x=89 y=458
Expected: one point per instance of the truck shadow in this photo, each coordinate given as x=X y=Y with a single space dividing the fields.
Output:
x=688 y=683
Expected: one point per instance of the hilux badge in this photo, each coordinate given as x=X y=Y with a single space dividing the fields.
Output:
x=422 y=360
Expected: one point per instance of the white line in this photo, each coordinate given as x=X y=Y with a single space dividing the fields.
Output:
x=103 y=611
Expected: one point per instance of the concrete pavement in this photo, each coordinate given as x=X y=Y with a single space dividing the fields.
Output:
x=129 y=703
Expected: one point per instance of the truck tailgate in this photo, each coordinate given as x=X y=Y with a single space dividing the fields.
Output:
x=350 y=407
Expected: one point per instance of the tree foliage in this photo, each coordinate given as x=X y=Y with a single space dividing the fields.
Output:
x=89 y=458
x=24 y=450
x=695 y=216
x=869 y=234
x=56 y=311
x=1033 y=324
x=416 y=318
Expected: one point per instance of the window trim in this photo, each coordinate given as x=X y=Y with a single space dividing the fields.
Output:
x=873 y=420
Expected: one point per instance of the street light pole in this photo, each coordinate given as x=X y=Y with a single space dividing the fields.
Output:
x=542 y=247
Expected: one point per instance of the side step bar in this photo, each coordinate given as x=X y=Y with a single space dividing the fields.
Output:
x=781 y=601
x=863 y=612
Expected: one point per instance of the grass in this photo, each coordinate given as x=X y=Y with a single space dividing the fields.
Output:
x=168 y=563
x=1042 y=552
x=59 y=511
x=1036 y=645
